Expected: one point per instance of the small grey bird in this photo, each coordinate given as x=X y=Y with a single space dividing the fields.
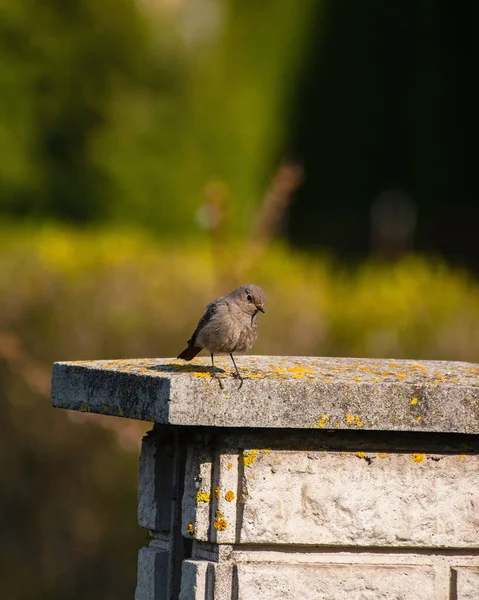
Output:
x=230 y=324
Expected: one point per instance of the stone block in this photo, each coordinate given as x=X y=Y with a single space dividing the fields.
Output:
x=279 y=392
x=352 y=499
x=155 y=483
x=152 y=583
x=466 y=583
x=334 y=582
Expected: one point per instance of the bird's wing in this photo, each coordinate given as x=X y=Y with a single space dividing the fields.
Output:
x=210 y=311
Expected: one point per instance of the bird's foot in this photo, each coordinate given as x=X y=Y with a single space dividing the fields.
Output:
x=215 y=376
x=238 y=376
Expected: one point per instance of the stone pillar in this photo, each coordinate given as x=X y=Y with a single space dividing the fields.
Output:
x=320 y=479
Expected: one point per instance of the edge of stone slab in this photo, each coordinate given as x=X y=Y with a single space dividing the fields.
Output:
x=301 y=393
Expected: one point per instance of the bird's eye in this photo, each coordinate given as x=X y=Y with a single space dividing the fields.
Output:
x=249 y=297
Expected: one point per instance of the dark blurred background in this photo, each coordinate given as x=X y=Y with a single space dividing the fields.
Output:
x=154 y=154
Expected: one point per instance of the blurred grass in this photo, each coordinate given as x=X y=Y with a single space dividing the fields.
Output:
x=71 y=295
x=68 y=502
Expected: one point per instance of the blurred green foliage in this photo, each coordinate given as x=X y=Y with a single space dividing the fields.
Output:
x=113 y=294
x=125 y=110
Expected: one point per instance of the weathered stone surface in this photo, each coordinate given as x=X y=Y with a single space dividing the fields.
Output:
x=348 y=499
x=155 y=484
x=197 y=494
x=323 y=393
x=152 y=583
x=467 y=583
x=334 y=582
x=261 y=494
x=194 y=580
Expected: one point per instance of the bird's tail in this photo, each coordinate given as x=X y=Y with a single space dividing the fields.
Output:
x=190 y=352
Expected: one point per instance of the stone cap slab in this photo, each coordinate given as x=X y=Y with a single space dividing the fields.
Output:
x=278 y=392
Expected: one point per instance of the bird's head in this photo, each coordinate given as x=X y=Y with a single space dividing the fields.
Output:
x=251 y=298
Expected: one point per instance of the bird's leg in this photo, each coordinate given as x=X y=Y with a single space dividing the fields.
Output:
x=215 y=376
x=238 y=375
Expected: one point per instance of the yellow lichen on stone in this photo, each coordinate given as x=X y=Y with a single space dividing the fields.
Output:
x=191 y=529
x=414 y=401
x=217 y=493
x=322 y=422
x=202 y=375
x=266 y=450
x=361 y=454
x=229 y=496
x=249 y=456
x=202 y=496
x=418 y=457
x=220 y=524
x=354 y=420
x=230 y=465
x=381 y=454
x=418 y=418
x=300 y=370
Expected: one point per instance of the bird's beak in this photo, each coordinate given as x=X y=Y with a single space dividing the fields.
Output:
x=260 y=308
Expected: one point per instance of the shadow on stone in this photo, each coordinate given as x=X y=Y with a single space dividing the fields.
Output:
x=180 y=368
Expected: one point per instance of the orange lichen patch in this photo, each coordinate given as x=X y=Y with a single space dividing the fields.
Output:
x=354 y=420
x=202 y=375
x=322 y=422
x=423 y=368
x=300 y=370
x=220 y=523
x=190 y=529
x=229 y=466
x=229 y=496
x=202 y=496
x=418 y=457
x=249 y=456
x=414 y=401
x=217 y=493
